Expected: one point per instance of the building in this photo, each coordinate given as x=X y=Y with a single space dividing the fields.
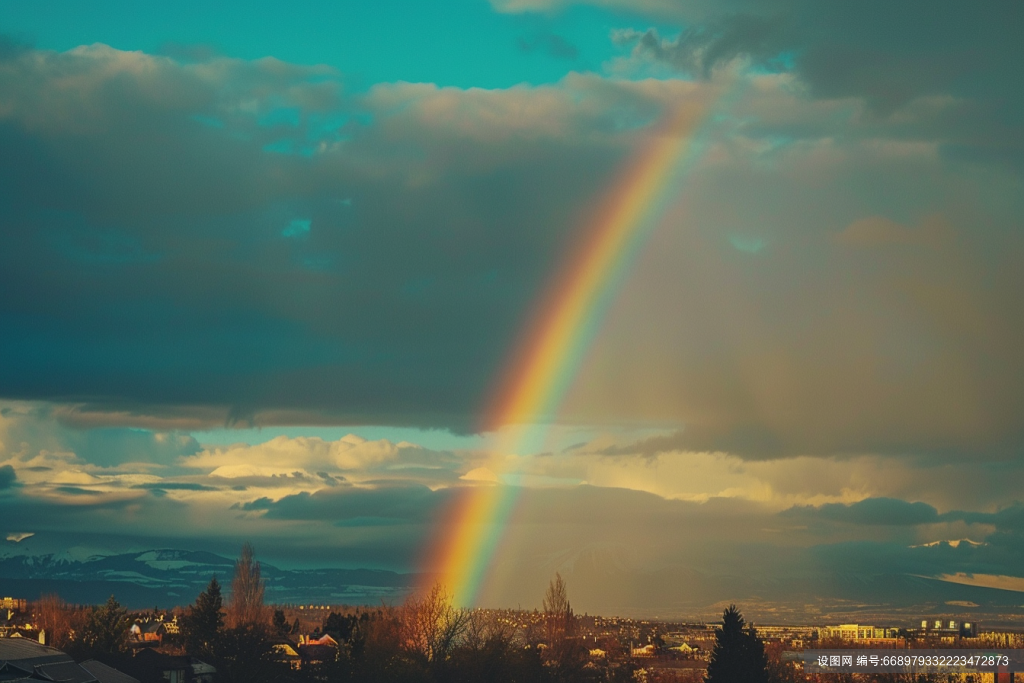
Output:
x=287 y=651
x=150 y=666
x=858 y=632
x=645 y=651
x=149 y=631
x=24 y=659
x=945 y=629
x=324 y=639
x=14 y=604
x=107 y=674
x=1012 y=639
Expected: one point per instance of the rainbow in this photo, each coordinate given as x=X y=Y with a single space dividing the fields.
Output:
x=566 y=321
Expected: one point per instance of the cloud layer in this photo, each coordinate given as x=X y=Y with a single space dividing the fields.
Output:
x=815 y=361
x=631 y=531
x=832 y=278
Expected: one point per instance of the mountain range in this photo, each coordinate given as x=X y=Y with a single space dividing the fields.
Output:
x=169 y=577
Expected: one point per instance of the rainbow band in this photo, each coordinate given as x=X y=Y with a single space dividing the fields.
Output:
x=580 y=297
x=553 y=352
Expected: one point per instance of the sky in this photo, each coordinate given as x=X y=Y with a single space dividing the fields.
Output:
x=266 y=269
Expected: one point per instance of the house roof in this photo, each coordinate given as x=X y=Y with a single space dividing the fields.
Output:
x=23 y=659
x=107 y=674
x=24 y=650
x=201 y=667
x=66 y=672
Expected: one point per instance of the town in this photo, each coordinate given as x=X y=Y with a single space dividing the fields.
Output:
x=46 y=639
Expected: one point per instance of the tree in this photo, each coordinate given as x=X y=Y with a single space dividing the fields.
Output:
x=247 y=587
x=558 y=616
x=564 y=650
x=779 y=670
x=58 y=620
x=280 y=622
x=431 y=626
x=203 y=625
x=738 y=655
x=104 y=634
x=247 y=656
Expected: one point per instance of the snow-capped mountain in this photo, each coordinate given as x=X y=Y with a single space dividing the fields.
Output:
x=169 y=577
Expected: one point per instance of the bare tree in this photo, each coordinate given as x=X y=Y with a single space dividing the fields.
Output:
x=483 y=627
x=57 y=620
x=431 y=626
x=564 y=650
x=559 y=619
x=246 y=609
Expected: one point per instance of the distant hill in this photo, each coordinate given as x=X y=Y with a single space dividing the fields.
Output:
x=170 y=577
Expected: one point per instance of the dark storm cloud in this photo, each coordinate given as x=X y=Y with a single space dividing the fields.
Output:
x=8 y=477
x=1007 y=521
x=145 y=209
x=888 y=53
x=46 y=428
x=76 y=491
x=210 y=241
x=175 y=486
x=406 y=504
x=873 y=511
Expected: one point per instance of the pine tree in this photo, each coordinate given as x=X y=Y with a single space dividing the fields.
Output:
x=738 y=655
x=203 y=626
x=280 y=622
x=105 y=633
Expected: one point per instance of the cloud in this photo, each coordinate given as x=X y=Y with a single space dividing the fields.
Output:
x=875 y=511
x=188 y=309
x=319 y=462
x=480 y=474
x=175 y=486
x=853 y=391
x=8 y=477
x=19 y=536
x=1009 y=518
x=377 y=503
x=708 y=45
x=924 y=47
x=999 y=582
x=138 y=171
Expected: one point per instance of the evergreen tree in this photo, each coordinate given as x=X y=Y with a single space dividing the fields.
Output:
x=247 y=656
x=203 y=626
x=104 y=634
x=280 y=622
x=738 y=655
